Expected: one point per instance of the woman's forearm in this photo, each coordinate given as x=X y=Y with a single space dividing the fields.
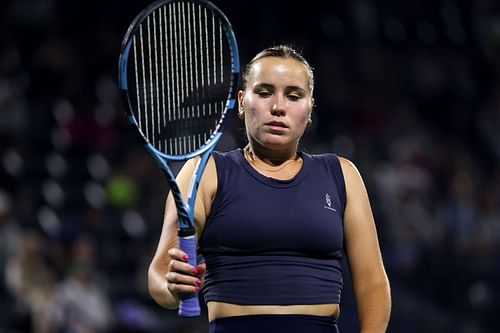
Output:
x=374 y=308
x=158 y=289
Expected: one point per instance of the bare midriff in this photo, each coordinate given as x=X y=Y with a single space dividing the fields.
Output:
x=221 y=309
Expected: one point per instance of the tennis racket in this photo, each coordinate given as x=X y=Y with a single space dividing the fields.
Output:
x=178 y=76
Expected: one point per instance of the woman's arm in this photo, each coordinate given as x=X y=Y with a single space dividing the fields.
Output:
x=370 y=283
x=169 y=273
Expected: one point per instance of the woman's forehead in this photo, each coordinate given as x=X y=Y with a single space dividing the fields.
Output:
x=276 y=68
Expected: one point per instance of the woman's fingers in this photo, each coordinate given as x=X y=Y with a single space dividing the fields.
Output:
x=201 y=268
x=178 y=254
x=182 y=277
x=181 y=283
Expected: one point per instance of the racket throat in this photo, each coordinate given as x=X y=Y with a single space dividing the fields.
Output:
x=186 y=232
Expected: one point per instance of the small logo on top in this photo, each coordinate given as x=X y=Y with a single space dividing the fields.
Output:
x=328 y=201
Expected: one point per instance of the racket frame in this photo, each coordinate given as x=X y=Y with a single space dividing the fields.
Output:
x=185 y=209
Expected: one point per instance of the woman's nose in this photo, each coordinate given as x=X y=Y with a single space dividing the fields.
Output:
x=277 y=111
x=278 y=108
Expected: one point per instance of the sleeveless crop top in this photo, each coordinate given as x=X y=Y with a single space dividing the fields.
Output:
x=275 y=242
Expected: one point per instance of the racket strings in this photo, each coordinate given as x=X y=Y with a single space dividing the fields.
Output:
x=181 y=68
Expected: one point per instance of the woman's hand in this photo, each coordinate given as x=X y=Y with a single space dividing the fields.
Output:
x=182 y=277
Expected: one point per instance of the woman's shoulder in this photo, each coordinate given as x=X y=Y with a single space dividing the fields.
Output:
x=346 y=164
x=348 y=167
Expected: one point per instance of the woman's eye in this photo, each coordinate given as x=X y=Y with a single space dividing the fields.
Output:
x=263 y=94
x=293 y=97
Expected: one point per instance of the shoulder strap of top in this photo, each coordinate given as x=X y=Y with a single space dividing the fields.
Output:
x=223 y=165
x=339 y=178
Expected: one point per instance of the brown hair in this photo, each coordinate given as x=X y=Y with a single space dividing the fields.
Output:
x=280 y=51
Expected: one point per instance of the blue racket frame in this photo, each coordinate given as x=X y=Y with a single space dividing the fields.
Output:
x=189 y=304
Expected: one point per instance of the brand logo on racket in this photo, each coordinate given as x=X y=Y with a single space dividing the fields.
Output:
x=328 y=201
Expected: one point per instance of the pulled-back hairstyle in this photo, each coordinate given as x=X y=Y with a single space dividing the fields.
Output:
x=280 y=51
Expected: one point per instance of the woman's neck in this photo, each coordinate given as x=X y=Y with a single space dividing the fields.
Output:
x=270 y=157
x=281 y=166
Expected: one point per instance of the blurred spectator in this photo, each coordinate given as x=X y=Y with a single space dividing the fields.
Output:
x=80 y=302
x=30 y=279
x=10 y=234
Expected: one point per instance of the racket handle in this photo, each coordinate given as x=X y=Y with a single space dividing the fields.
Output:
x=189 y=305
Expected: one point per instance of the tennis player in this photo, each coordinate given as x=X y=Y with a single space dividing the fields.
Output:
x=274 y=223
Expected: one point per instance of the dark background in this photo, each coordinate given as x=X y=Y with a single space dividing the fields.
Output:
x=408 y=90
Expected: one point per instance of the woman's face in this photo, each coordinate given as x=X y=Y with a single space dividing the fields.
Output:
x=277 y=102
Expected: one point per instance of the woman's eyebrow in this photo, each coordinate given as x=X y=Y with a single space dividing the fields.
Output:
x=295 y=88
x=263 y=85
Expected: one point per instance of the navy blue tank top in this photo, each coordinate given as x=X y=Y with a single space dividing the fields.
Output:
x=269 y=241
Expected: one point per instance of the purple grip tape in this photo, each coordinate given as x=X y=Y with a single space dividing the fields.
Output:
x=189 y=305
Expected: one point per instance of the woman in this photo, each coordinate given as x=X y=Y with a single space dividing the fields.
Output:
x=273 y=222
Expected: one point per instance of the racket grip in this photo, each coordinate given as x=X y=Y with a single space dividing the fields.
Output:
x=189 y=305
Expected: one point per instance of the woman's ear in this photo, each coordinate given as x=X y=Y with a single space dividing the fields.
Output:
x=241 y=108
x=309 y=120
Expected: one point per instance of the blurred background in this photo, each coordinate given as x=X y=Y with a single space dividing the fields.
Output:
x=409 y=90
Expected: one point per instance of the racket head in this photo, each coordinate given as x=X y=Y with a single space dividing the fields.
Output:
x=178 y=76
